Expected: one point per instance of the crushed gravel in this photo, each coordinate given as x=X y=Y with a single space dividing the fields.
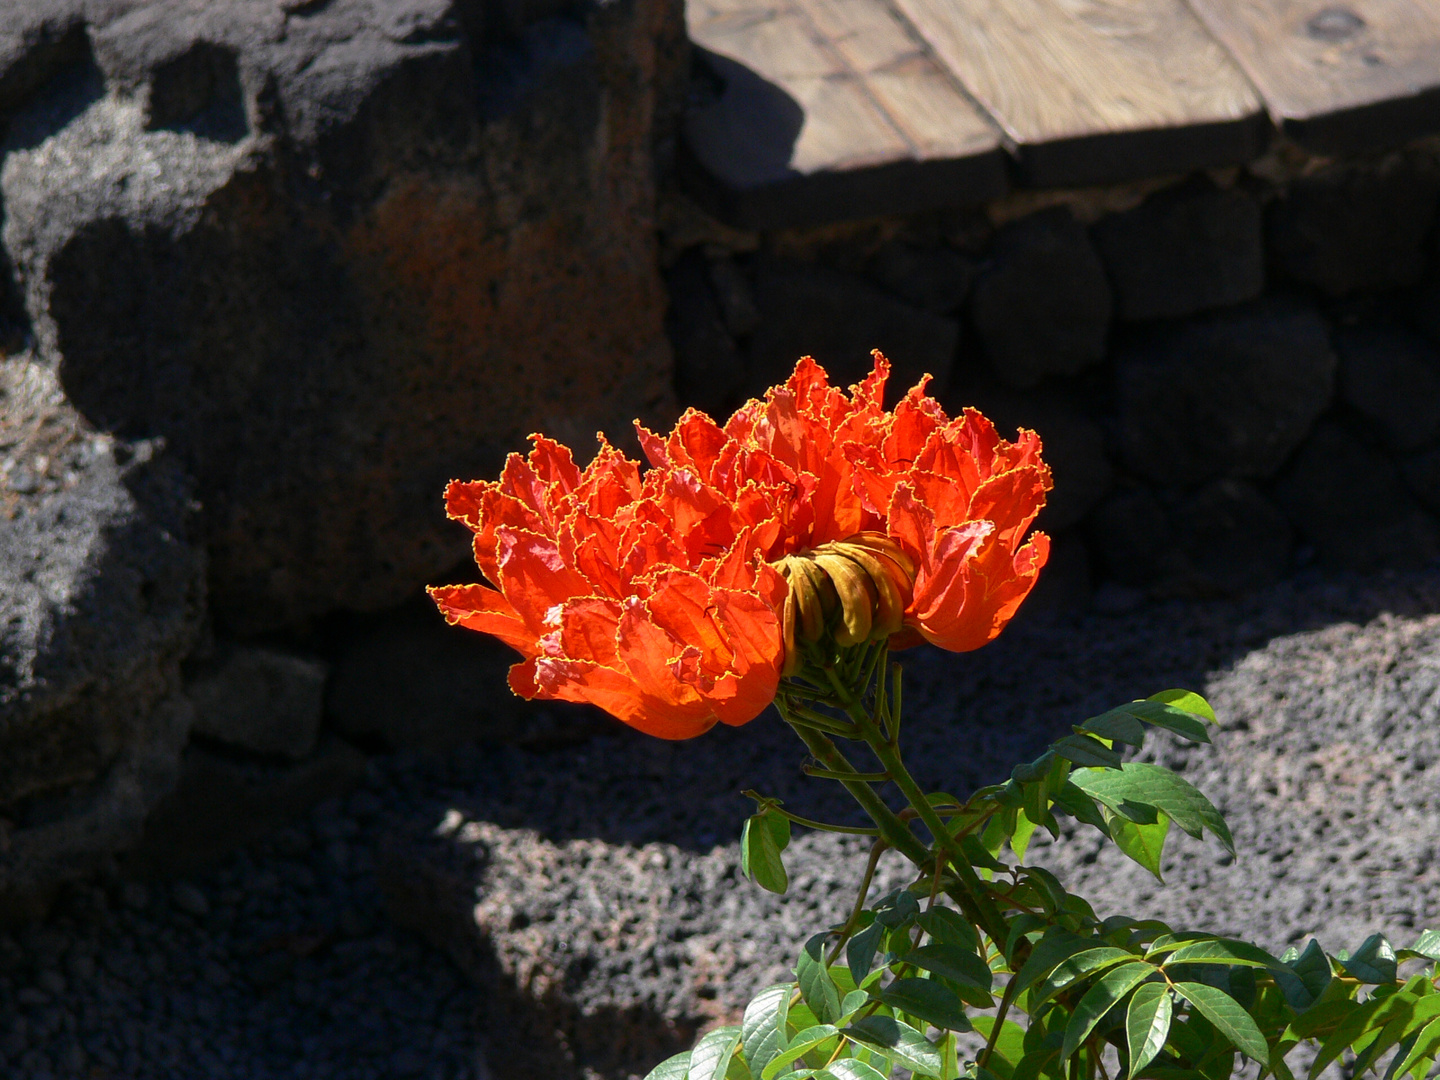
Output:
x=281 y=962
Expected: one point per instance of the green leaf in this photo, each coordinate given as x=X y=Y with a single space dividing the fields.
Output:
x=1147 y=1024
x=1222 y=951
x=1009 y=1046
x=948 y=927
x=1305 y=978
x=1117 y=725
x=1143 y=843
x=1374 y=962
x=764 y=837
x=672 y=1068
x=1038 y=1063
x=929 y=1000
x=860 y=950
x=850 y=1069
x=851 y=1002
x=1154 y=785
x=1229 y=1019
x=897 y=908
x=1405 y=1019
x=1077 y=967
x=1080 y=806
x=1056 y=946
x=1355 y=1022
x=798 y=1047
x=816 y=987
x=953 y=962
x=1187 y=701
x=1427 y=945
x=1425 y=1044
x=711 y=1057
x=1100 y=999
x=762 y=1030
x=1180 y=711
x=978 y=854
x=1020 y=838
x=910 y=1049
x=1086 y=750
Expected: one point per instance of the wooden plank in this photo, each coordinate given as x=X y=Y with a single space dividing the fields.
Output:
x=1339 y=77
x=830 y=109
x=1098 y=91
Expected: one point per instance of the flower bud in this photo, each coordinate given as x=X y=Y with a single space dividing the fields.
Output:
x=856 y=590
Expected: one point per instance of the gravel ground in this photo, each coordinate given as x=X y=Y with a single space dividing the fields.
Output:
x=281 y=963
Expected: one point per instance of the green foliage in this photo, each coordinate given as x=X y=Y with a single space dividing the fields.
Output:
x=991 y=946
x=765 y=837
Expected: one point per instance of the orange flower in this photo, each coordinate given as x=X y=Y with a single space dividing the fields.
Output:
x=660 y=596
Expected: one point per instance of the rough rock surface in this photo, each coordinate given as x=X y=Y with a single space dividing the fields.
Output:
x=1357 y=226
x=838 y=318
x=709 y=367
x=1349 y=501
x=260 y=701
x=100 y=599
x=1184 y=249
x=1232 y=394
x=1392 y=378
x=337 y=253
x=1042 y=303
x=407 y=680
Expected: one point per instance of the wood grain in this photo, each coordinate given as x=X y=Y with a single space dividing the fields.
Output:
x=817 y=88
x=1338 y=76
x=1096 y=78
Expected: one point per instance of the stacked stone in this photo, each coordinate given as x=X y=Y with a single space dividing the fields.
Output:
x=1235 y=375
x=271 y=273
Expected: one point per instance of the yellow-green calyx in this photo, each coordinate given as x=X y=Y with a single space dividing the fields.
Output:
x=866 y=578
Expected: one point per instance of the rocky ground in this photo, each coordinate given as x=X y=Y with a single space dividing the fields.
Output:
x=585 y=898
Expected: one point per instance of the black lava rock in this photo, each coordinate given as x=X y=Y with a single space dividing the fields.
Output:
x=1184 y=249
x=1422 y=476
x=1222 y=540
x=1391 y=377
x=1042 y=305
x=1131 y=536
x=936 y=279
x=1348 y=501
x=1234 y=539
x=1233 y=393
x=709 y=368
x=836 y=318
x=1357 y=227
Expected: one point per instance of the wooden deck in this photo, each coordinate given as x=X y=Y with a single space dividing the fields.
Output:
x=835 y=109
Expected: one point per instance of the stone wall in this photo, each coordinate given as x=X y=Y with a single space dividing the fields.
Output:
x=1236 y=374
x=271 y=273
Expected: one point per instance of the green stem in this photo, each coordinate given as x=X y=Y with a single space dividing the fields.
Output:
x=895 y=832
x=809 y=823
x=826 y=774
x=799 y=714
x=876 y=850
x=1005 y=1001
x=981 y=905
